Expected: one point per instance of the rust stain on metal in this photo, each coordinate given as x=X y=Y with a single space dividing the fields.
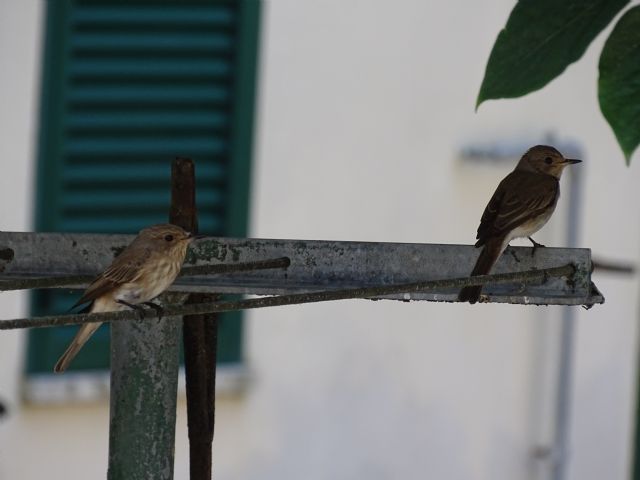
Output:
x=6 y=256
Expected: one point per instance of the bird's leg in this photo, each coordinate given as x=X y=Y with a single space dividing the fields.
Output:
x=132 y=306
x=512 y=252
x=536 y=245
x=158 y=308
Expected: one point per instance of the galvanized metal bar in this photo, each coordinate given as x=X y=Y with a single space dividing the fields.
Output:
x=144 y=375
x=315 y=265
x=144 y=385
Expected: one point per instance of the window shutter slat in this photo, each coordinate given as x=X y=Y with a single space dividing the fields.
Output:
x=137 y=84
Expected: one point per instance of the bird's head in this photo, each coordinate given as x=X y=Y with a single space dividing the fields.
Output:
x=166 y=238
x=545 y=159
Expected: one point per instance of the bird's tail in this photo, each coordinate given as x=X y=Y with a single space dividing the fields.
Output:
x=488 y=256
x=76 y=344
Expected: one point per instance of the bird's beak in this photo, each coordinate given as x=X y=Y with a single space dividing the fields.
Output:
x=196 y=237
x=571 y=161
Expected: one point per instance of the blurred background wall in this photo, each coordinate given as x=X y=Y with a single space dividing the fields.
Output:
x=363 y=109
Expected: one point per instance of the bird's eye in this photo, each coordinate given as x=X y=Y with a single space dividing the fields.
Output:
x=548 y=160
x=168 y=238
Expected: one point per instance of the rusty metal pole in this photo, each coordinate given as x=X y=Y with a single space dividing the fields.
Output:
x=200 y=340
x=200 y=348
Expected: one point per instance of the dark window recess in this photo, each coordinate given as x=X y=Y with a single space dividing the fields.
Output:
x=127 y=87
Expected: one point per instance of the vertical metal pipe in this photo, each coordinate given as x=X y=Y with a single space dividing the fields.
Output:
x=144 y=385
x=144 y=372
x=560 y=451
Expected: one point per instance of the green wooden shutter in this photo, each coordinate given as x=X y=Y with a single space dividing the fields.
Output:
x=127 y=87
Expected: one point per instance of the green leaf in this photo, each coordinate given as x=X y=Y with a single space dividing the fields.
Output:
x=619 y=82
x=542 y=38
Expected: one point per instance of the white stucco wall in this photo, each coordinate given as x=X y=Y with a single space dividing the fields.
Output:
x=19 y=63
x=363 y=108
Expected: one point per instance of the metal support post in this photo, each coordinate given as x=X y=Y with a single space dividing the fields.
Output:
x=200 y=336
x=200 y=348
x=144 y=377
x=144 y=385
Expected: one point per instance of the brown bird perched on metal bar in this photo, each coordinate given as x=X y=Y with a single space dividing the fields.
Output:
x=520 y=206
x=139 y=274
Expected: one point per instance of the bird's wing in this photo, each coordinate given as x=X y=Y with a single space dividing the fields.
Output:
x=520 y=197
x=125 y=268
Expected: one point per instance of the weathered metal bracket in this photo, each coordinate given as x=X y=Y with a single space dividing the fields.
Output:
x=315 y=265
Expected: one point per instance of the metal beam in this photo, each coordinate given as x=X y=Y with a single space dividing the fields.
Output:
x=315 y=265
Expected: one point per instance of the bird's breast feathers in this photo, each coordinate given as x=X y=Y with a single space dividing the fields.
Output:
x=532 y=225
x=154 y=278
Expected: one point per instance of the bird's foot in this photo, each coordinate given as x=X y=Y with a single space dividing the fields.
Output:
x=158 y=308
x=536 y=246
x=139 y=310
x=513 y=254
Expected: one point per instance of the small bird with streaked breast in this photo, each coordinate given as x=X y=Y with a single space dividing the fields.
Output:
x=521 y=205
x=144 y=269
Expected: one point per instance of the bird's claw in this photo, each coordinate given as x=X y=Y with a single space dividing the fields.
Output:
x=138 y=309
x=158 y=309
x=536 y=246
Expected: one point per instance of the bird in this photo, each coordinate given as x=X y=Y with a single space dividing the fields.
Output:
x=142 y=271
x=521 y=205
